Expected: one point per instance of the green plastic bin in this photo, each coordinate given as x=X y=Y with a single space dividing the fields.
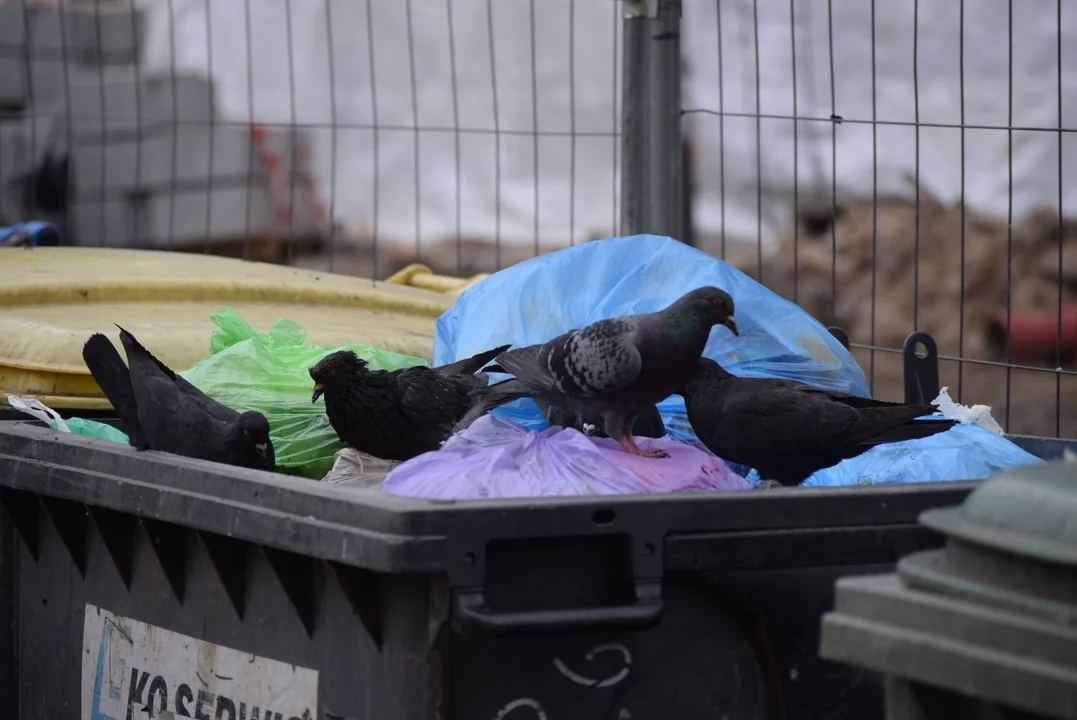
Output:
x=985 y=627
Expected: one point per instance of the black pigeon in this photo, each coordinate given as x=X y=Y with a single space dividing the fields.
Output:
x=648 y=422
x=162 y=411
x=786 y=429
x=613 y=368
x=396 y=415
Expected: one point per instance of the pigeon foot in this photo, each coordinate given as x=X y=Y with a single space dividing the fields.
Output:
x=630 y=447
x=358 y=458
x=656 y=453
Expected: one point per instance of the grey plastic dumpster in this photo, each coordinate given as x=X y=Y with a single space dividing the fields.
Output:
x=133 y=582
x=985 y=627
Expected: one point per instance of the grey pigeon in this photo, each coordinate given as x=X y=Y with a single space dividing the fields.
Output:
x=400 y=414
x=613 y=368
x=162 y=411
x=788 y=430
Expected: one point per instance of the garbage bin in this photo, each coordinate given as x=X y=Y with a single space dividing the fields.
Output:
x=53 y=298
x=132 y=582
x=985 y=627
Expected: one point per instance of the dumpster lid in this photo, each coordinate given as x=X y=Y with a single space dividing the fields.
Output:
x=1028 y=511
x=1012 y=545
x=52 y=299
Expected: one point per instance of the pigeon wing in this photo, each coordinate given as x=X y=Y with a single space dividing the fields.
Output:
x=596 y=360
x=853 y=401
x=428 y=399
x=199 y=398
x=752 y=416
x=171 y=422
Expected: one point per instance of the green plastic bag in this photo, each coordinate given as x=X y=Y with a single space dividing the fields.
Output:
x=247 y=370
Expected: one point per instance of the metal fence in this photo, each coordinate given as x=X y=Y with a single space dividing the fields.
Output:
x=896 y=167
x=344 y=135
x=888 y=166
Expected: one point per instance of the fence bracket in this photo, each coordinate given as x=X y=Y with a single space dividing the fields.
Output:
x=640 y=9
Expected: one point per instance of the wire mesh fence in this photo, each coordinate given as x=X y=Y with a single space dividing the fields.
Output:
x=342 y=135
x=900 y=166
x=890 y=166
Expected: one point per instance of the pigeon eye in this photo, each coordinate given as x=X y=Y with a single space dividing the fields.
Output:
x=717 y=302
x=247 y=433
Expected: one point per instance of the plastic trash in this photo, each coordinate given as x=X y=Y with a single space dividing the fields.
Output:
x=976 y=414
x=247 y=370
x=498 y=459
x=75 y=426
x=975 y=449
x=538 y=299
x=346 y=471
x=965 y=452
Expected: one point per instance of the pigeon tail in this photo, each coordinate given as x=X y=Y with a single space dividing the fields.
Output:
x=912 y=430
x=471 y=365
x=216 y=410
x=111 y=375
x=489 y=398
x=129 y=341
x=524 y=364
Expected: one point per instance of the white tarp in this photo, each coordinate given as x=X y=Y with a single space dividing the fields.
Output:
x=597 y=61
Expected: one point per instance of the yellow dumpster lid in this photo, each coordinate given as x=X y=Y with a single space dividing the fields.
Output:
x=53 y=299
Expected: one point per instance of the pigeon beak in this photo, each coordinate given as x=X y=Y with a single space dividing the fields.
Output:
x=261 y=448
x=731 y=323
x=318 y=390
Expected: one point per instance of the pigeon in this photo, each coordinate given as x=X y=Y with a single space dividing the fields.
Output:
x=648 y=422
x=613 y=368
x=162 y=411
x=788 y=430
x=399 y=414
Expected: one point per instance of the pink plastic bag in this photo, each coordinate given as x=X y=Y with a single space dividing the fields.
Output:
x=497 y=459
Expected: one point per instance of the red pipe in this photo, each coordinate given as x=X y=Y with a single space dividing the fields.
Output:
x=1034 y=332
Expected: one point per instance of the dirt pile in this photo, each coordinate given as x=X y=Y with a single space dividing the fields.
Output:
x=891 y=273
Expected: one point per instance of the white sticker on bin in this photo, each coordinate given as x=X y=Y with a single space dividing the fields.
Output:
x=133 y=670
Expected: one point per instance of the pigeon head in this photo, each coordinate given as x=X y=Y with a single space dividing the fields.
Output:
x=341 y=365
x=255 y=430
x=706 y=306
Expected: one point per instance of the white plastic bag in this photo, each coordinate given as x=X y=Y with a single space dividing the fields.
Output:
x=39 y=410
x=75 y=426
x=974 y=415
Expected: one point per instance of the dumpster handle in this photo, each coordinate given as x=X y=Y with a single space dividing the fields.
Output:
x=471 y=615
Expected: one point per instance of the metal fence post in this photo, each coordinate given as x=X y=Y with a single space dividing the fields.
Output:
x=652 y=151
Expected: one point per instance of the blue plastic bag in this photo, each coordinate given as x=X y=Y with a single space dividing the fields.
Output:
x=541 y=298
x=965 y=452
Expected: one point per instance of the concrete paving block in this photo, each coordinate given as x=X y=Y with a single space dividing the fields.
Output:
x=192 y=155
x=101 y=224
x=110 y=35
x=123 y=101
x=14 y=161
x=188 y=217
x=102 y=34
